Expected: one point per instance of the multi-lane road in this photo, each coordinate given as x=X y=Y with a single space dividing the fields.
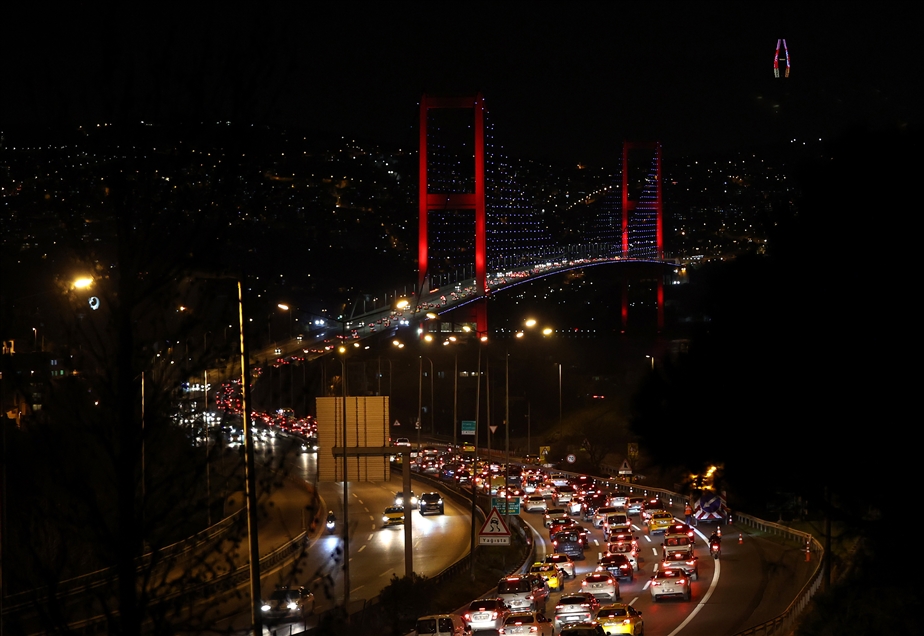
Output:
x=754 y=580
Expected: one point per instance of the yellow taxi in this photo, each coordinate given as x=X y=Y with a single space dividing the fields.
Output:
x=550 y=572
x=659 y=521
x=394 y=516
x=620 y=618
x=468 y=447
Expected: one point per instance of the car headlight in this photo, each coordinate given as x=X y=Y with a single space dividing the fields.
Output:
x=265 y=607
x=384 y=518
x=293 y=605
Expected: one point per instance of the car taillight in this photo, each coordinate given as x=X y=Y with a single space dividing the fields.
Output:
x=493 y=616
x=682 y=581
x=655 y=583
x=533 y=630
x=583 y=583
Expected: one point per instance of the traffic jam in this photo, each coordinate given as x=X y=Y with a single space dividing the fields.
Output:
x=604 y=548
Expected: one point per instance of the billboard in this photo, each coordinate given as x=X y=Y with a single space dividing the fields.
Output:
x=366 y=426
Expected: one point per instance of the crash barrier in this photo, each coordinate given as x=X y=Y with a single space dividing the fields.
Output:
x=783 y=624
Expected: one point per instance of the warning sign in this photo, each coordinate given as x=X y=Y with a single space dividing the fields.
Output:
x=625 y=469
x=494 y=531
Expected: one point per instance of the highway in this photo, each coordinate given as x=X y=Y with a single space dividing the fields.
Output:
x=753 y=581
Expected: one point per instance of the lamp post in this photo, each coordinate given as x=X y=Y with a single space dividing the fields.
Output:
x=288 y=310
x=346 y=482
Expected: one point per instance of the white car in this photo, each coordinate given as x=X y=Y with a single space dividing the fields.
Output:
x=535 y=503
x=625 y=548
x=602 y=513
x=670 y=583
x=602 y=585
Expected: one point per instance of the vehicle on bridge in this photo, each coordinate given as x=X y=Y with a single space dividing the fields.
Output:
x=580 y=607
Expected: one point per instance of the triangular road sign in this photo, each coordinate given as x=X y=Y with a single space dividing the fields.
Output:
x=625 y=468
x=494 y=525
x=493 y=429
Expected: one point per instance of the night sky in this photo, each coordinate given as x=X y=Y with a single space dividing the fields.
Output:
x=562 y=82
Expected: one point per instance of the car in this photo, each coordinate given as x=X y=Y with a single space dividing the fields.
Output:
x=602 y=513
x=677 y=543
x=626 y=549
x=569 y=542
x=564 y=563
x=616 y=523
x=535 y=503
x=402 y=441
x=394 y=516
x=583 y=629
x=468 y=447
x=659 y=521
x=523 y=592
x=430 y=502
x=441 y=625
x=620 y=618
x=564 y=494
x=685 y=561
x=287 y=603
x=618 y=565
x=555 y=514
x=532 y=623
x=634 y=504
x=579 y=607
x=679 y=530
x=602 y=585
x=399 y=499
x=532 y=460
x=486 y=613
x=651 y=505
x=668 y=583
x=552 y=575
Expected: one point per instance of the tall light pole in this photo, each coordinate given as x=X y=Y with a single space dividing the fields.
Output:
x=256 y=616
x=419 y=403
x=346 y=482
x=288 y=310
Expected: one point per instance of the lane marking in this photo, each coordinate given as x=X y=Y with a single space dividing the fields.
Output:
x=702 y=603
x=363 y=547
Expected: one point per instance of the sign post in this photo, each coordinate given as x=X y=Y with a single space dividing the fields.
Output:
x=494 y=531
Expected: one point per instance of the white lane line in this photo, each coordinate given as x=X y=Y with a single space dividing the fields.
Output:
x=702 y=603
x=632 y=602
x=362 y=547
x=648 y=538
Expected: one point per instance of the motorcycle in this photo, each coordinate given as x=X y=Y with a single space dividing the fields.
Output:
x=714 y=549
x=331 y=526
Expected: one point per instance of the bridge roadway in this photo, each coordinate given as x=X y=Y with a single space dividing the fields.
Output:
x=438 y=300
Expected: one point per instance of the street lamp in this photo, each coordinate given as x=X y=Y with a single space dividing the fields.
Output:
x=286 y=308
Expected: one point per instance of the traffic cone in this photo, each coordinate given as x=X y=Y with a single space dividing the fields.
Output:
x=740 y=538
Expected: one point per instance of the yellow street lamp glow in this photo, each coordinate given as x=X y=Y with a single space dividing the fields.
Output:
x=466 y=328
x=83 y=283
x=530 y=322
x=403 y=303
x=519 y=334
x=428 y=338
x=547 y=331
x=283 y=306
